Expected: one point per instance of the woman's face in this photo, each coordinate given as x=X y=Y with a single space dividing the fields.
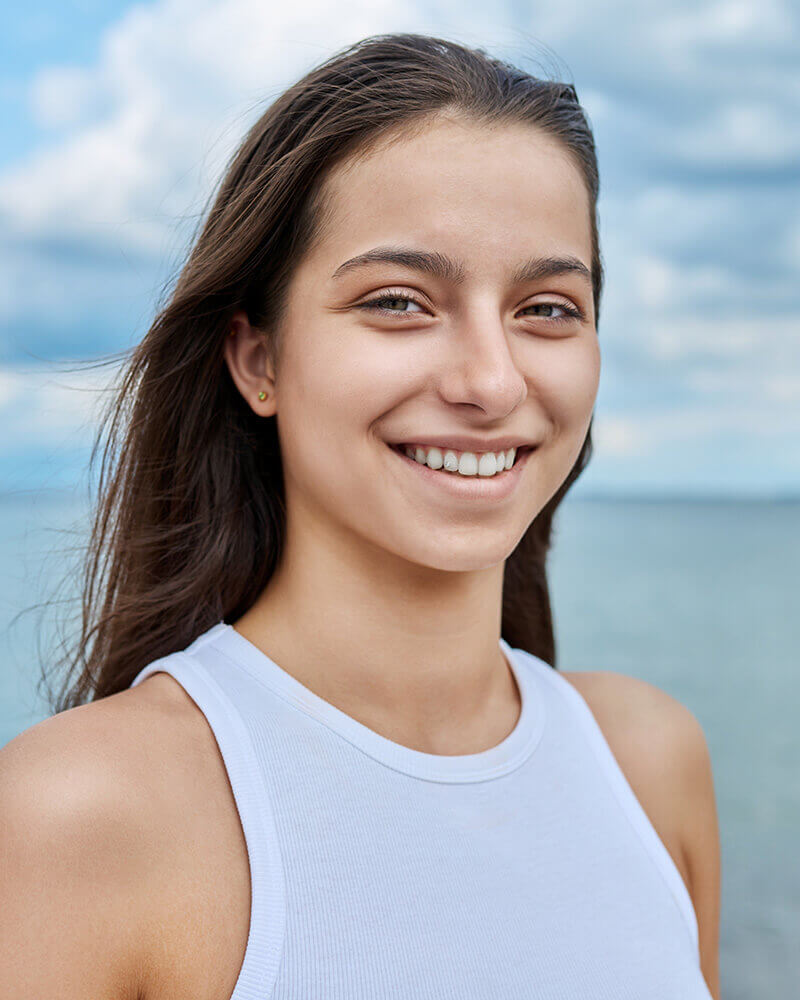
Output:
x=481 y=351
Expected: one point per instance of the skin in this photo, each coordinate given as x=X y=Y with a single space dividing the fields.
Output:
x=404 y=582
x=99 y=891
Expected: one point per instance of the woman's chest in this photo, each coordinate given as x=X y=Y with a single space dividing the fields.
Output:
x=357 y=918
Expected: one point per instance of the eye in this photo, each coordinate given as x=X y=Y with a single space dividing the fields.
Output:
x=570 y=312
x=389 y=296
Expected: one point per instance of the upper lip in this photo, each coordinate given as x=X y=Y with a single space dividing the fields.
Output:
x=465 y=442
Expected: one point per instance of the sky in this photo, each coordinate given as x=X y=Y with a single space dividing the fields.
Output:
x=119 y=118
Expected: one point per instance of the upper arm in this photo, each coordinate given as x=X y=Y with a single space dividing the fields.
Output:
x=70 y=862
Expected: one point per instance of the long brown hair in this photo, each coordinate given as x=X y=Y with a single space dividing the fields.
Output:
x=189 y=520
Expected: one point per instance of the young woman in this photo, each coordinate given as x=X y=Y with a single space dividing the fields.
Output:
x=318 y=746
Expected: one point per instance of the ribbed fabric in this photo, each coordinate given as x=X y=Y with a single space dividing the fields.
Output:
x=529 y=870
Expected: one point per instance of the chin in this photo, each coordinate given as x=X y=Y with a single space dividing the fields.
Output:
x=464 y=554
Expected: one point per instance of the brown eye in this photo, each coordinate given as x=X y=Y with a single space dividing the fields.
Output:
x=570 y=312
x=398 y=297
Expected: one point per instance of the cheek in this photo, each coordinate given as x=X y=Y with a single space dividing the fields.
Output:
x=334 y=394
x=566 y=381
x=339 y=373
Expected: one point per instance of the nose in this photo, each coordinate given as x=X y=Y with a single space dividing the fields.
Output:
x=479 y=368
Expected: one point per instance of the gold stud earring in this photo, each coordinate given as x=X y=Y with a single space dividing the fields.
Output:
x=262 y=395
x=232 y=332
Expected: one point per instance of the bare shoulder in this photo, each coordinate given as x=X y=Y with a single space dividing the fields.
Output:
x=77 y=838
x=661 y=749
x=635 y=713
x=97 y=845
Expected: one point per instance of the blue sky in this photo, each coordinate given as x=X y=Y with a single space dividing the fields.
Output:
x=119 y=118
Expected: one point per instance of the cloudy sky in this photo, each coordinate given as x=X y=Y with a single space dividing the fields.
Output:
x=119 y=117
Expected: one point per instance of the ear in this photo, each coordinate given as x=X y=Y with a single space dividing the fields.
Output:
x=250 y=364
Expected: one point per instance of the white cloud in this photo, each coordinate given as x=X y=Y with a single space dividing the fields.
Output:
x=646 y=434
x=176 y=80
x=62 y=96
x=619 y=436
x=749 y=132
x=661 y=284
x=725 y=23
x=754 y=390
x=770 y=342
x=791 y=242
x=174 y=89
x=176 y=83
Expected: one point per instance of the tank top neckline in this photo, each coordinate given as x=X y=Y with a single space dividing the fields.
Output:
x=485 y=765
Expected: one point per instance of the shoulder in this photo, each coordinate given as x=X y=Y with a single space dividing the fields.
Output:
x=94 y=803
x=629 y=707
x=111 y=761
x=76 y=839
x=661 y=749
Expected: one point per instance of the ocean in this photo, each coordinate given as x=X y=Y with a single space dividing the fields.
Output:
x=699 y=597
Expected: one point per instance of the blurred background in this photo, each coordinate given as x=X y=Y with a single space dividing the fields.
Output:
x=677 y=553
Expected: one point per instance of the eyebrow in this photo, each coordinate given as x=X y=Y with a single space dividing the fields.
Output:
x=441 y=266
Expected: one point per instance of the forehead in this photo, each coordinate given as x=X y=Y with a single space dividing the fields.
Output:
x=486 y=194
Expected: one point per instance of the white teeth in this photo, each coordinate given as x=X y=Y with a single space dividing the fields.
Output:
x=467 y=464
x=435 y=458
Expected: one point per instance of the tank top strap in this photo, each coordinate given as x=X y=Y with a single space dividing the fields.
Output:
x=259 y=969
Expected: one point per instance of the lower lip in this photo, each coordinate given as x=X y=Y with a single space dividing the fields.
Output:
x=495 y=487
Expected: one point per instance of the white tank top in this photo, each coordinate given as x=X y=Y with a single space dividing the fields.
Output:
x=529 y=870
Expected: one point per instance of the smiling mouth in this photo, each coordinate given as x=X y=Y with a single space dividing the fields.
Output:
x=521 y=453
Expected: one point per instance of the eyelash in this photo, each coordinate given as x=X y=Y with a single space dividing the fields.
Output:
x=571 y=312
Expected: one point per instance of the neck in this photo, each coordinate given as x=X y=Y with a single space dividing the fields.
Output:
x=410 y=652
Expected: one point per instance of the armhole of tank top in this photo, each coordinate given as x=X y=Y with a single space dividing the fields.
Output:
x=263 y=951
x=631 y=806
